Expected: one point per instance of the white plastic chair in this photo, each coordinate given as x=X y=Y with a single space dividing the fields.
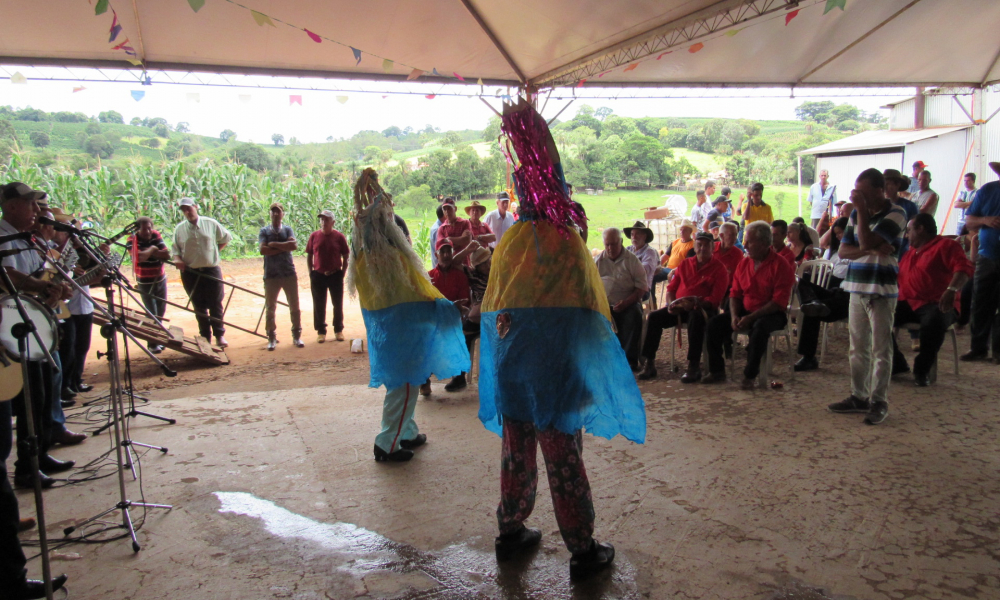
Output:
x=820 y=272
x=932 y=375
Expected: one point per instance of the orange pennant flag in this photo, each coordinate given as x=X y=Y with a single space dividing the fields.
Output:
x=414 y=74
x=631 y=67
x=696 y=47
x=791 y=15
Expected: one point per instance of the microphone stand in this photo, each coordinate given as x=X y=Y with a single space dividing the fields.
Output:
x=21 y=331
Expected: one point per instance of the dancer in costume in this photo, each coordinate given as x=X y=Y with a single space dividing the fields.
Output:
x=413 y=330
x=550 y=364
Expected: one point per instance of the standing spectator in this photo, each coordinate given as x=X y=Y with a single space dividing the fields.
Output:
x=709 y=191
x=481 y=232
x=457 y=231
x=327 y=255
x=779 y=231
x=624 y=282
x=758 y=301
x=894 y=183
x=930 y=277
x=926 y=199
x=439 y=213
x=693 y=296
x=822 y=195
x=452 y=280
x=581 y=225
x=641 y=237
x=717 y=215
x=197 y=243
x=757 y=210
x=871 y=242
x=277 y=242
x=700 y=209
x=964 y=201
x=499 y=220
x=727 y=194
x=914 y=184
x=984 y=217
x=148 y=255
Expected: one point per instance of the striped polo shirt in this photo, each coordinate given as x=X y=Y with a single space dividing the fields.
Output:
x=876 y=273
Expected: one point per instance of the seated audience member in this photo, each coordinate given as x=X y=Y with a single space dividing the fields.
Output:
x=726 y=250
x=758 y=301
x=799 y=243
x=641 y=237
x=779 y=231
x=813 y=234
x=452 y=280
x=822 y=305
x=694 y=295
x=720 y=206
x=679 y=250
x=625 y=283
x=930 y=277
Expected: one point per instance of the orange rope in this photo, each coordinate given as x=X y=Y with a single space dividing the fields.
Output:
x=954 y=196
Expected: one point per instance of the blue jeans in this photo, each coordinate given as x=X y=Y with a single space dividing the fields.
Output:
x=154 y=296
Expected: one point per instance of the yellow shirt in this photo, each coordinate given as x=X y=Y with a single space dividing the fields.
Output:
x=678 y=252
x=759 y=213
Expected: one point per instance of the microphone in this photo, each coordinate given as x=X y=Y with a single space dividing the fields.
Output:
x=23 y=236
x=57 y=225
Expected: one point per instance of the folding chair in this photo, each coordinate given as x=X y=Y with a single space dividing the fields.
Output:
x=820 y=272
x=768 y=361
x=932 y=376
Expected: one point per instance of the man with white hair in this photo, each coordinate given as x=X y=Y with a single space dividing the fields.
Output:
x=625 y=284
x=822 y=195
x=501 y=219
x=197 y=243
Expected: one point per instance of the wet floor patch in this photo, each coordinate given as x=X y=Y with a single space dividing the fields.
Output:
x=356 y=562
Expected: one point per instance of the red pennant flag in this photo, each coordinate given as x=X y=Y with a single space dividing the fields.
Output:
x=457 y=76
x=295 y=100
x=631 y=67
x=313 y=36
x=696 y=47
x=791 y=15
x=582 y=81
x=664 y=54
x=430 y=96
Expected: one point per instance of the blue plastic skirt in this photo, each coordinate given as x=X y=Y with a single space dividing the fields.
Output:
x=558 y=367
x=408 y=342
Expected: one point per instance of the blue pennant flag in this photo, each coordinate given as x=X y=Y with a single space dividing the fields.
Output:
x=138 y=95
x=357 y=55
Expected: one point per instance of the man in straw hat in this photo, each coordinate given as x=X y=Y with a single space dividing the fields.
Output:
x=984 y=217
x=481 y=232
x=641 y=237
x=327 y=254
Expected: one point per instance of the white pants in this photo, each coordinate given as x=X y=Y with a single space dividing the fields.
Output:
x=397 y=417
x=870 y=321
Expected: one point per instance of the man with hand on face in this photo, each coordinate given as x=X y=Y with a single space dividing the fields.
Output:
x=327 y=254
x=148 y=255
x=625 y=283
x=197 y=243
x=277 y=242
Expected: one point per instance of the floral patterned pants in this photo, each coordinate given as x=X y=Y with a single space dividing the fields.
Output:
x=568 y=482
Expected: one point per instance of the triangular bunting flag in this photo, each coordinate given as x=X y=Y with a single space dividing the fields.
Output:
x=357 y=55
x=479 y=81
x=196 y=4
x=101 y=7
x=295 y=100
x=696 y=47
x=387 y=65
x=134 y=61
x=434 y=71
x=457 y=76
x=582 y=81
x=115 y=27
x=384 y=97
x=196 y=98
x=414 y=74
x=138 y=95
x=791 y=15
x=430 y=96
x=733 y=32
x=18 y=78
x=631 y=67
x=832 y=4
x=664 y=54
x=78 y=89
x=313 y=36
x=261 y=19
x=245 y=98
x=342 y=99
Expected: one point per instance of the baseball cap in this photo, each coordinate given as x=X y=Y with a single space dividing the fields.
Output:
x=449 y=201
x=277 y=205
x=442 y=243
x=186 y=202
x=921 y=164
x=704 y=235
x=326 y=213
x=16 y=189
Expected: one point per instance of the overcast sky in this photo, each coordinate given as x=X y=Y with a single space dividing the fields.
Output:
x=256 y=113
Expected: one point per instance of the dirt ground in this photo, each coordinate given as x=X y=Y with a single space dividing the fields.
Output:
x=735 y=494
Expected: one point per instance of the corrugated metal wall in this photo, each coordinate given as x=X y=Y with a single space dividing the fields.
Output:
x=901 y=116
x=942 y=111
x=991 y=135
x=946 y=160
x=845 y=169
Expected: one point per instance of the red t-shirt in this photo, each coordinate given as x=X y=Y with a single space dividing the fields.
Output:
x=730 y=258
x=773 y=280
x=453 y=283
x=708 y=282
x=786 y=253
x=925 y=272
x=456 y=229
x=477 y=230
x=329 y=251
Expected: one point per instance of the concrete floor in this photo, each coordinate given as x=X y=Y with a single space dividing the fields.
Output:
x=734 y=495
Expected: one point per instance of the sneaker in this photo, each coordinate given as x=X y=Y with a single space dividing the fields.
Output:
x=321 y=338
x=271 y=343
x=297 y=342
x=456 y=384
x=509 y=544
x=849 y=405
x=221 y=342
x=340 y=336
x=878 y=412
x=598 y=558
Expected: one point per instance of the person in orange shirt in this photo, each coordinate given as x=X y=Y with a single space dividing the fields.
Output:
x=679 y=250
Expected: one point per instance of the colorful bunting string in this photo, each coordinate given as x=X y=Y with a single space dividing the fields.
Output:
x=357 y=55
x=387 y=65
x=414 y=74
x=115 y=27
x=101 y=7
x=78 y=89
x=631 y=67
x=696 y=47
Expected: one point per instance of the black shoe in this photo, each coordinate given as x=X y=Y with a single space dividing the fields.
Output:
x=636 y=367
x=83 y=387
x=815 y=309
x=68 y=394
x=67 y=403
x=598 y=558
x=397 y=456
x=878 y=412
x=49 y=464
x=899 y=369
x=691 y=376
x=807 y=363
x=456 y=384
x=921 y=379
x=156 y=349
x=508 y=545
x=850 y=404
x=648 y=370
x=32 y=589
x=972 y=355
x=416 y=442
x=719 y=377
x=26 y=481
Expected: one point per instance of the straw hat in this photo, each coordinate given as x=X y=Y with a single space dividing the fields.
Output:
x=59 y=215
x=480 y=256
x=475 y=205
x=688 y=223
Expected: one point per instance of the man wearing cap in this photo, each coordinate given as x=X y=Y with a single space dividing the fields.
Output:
x=499 y=220
x=693 y=296
x=984 y=217
x=452 y=280
x=914 y=186
x=277 y=242
x=197 y=243
x=327 y=254
x=625 y=283
x=148 y=255
x=821 y=196
x=456 y=230
x=641 y=237
x=481 y=232
x=717 y=215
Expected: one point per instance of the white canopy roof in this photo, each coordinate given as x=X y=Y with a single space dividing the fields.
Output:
x=873 y=140
x=543 y=42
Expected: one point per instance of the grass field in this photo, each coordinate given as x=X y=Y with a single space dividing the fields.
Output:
x=705 y=162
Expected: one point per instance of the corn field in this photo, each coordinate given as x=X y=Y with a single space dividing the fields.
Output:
x=238 y=197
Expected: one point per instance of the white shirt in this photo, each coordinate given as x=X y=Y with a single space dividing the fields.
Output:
x=821 y=200
x=498 y=225
x=622 y=276
x=26 y=262
x=699 y=212
x=650 y=260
